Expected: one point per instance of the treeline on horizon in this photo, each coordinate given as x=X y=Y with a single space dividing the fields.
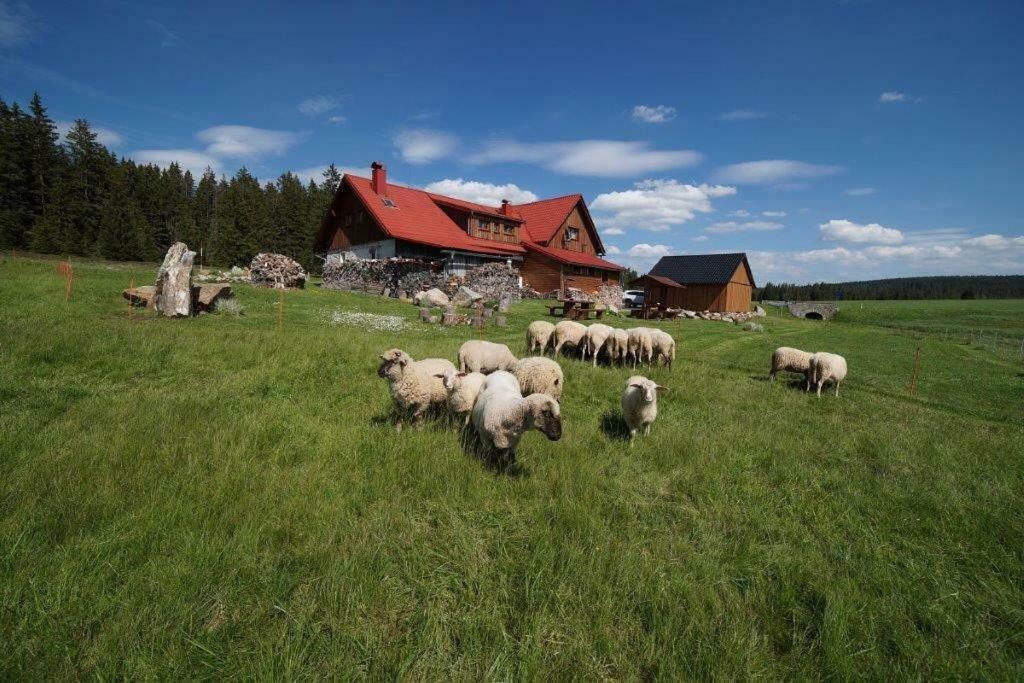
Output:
x=930 y=287
x=77 y=197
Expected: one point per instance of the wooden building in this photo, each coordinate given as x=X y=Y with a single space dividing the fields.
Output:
x=553 y=242
x=700 y=282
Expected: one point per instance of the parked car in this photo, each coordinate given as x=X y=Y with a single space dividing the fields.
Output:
x=632 y=298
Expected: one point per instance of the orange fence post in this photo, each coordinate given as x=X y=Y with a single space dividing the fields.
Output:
x=913 y=378
x=280 y=309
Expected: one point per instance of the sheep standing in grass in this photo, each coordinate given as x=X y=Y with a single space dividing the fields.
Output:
x=463 y=389
x=664 y=346
x=539 y=376
x=597 y=334
x=640 y=404
x=788 y=359
x=413 y=384
x=827 y=367
x=538 y=336
x=568 y=332
x=640 y=344
x=478 y=355
x=617 y=345
x=502 y=415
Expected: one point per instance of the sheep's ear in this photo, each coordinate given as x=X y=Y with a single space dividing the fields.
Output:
x=637 y=385
x=461 y=374
x=439 y=375
x=658 y=387
x=557 y=380
x=382 y=357
x=402 y=362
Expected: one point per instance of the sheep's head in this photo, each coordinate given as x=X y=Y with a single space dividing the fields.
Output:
x=546 y=415
x=450 y=378
x=392 y=363
x=647 y=389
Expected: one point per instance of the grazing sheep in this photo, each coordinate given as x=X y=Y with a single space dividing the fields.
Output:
x=413 y=384
x=478 y=355
x=538 y=336
x=463 y=389
x=640 y=403
x=664 y=346
x=788 y=359
x=617 y=345
x=827 y=367
x=539 y=376
x=502 y=415
x=568 y=332
x=597 y=334
x=640 y=344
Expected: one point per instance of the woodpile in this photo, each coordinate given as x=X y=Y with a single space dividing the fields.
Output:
x=277 y=271
x=494 y=281
x=405 y=277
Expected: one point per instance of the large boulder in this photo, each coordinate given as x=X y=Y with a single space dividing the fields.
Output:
x=277 y=271
x=432 y=297
x=207 y=296
x=141 y=297
x=173 y=293
x=466 y=296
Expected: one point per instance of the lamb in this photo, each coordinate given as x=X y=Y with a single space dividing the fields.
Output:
x=413 y=384
x=463 y=389
x=478 y=355
x=788 y=359
x=568 y=332
x=640 y=404
x=539 y=376
x=639 y=344
x=664 y=346
x=597 y=334
x=538 y=336
x=502 y=415
x=827 y=367
x=617 y=345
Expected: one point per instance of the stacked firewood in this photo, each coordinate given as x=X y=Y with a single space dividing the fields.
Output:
x=276 y=270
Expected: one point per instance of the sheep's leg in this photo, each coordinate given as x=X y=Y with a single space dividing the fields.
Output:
x=837 y=389
x=558 y=348
x=771 y=376
x=647 y=429
x=819 y=383
x=417 y=416
x=632 y=434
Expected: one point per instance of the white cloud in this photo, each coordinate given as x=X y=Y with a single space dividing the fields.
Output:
x=772 y=171
x=246 y=141
x=860 y=191
x=995 y=242
x=337 y=119
x=837 y=230
x=658 y=204
x=699 y=238
x=602 y=158
x=658 y=114
x=104 y=136
x=480 y=192
x=649 y=251
x=893 y=96
x=611 y=249
x=742 y=115
x=16 y=24
x=748 y=226
x=314 y=106
x=740 y=213
x=773 y=214
x=192 y=160
x=613 y=231
x=423 y=145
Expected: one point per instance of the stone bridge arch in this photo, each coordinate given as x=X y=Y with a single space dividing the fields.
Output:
x=813 y=310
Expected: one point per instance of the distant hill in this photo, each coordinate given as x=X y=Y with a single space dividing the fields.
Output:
x=933 y=287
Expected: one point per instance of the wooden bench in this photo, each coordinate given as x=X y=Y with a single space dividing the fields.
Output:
x=575 y=310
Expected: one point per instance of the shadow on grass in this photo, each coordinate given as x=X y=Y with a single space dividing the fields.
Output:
x=495 y=461
x=614 y=426
x=792 y=383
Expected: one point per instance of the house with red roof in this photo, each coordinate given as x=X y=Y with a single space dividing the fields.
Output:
x=553 y=242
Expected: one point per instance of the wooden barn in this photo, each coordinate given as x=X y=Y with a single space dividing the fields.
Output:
x=700 y=282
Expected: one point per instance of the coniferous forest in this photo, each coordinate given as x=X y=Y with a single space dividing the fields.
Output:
x=76 y=197
x=931 y=287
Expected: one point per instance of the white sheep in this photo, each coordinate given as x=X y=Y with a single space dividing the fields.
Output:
x=502 y=415
x=617 y=345
x=568 y=332
x=663 y=346
x=788 y=359
x=539 y=375
x=597 y=334
x=478 y=355
x=538 y=336
x=827 y=367
x=640 y=403
x=413 y=384
x=463 y=389
x=640 y=344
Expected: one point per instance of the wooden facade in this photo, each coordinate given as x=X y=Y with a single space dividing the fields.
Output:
x=732 y=296
x=351 y=225
x=546 y=274
x=574 y=234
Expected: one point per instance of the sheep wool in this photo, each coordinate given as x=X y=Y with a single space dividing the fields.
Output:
x=597 y=334
x=617 y=345
x=539 y=375
x=414 y=385
x=664 y=346
x=568 y=332
x=478 y=355
x=639 y=403
x=640 y=344
x=463 y=389
x=538 y=336
x=827 y=367
x=501 y=415
x=788 y=359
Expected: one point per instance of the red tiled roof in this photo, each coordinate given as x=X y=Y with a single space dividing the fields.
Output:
x=575 y=258
x=543 y=218
x=472 y=206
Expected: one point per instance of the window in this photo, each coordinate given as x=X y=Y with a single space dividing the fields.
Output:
x=510 y=229
x=387 y=202
x=484 y=226
x=572 y=234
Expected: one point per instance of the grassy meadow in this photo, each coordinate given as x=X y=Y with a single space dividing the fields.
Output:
x=223 y=497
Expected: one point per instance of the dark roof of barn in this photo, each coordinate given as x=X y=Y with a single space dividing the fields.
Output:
x=701 y=269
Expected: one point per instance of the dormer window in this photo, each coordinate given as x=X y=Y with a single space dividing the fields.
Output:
x=387 y=202
x=572 y=234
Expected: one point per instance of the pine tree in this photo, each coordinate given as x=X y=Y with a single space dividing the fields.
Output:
x=123 y=227
x=240 y=220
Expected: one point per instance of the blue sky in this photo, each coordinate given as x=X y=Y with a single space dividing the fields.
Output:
x=830 y=140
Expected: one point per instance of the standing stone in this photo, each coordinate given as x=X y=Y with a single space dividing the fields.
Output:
x=174 y=282
x=503 y=304
x=488 y=312
x=501 y=321
x=425 y=314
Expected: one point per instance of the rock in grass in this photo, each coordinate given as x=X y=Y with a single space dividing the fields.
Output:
x=140 y=297
x=207 y=296
x=174 y=282
x=466 y=296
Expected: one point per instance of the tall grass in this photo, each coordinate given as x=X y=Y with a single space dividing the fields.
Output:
x=216 y=497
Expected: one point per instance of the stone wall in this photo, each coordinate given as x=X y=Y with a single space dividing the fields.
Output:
x=815 y=310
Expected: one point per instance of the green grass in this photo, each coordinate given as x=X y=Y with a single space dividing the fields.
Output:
x=216 y=497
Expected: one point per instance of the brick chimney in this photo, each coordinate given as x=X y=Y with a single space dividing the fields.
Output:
x=379 y=178
x=505 y=210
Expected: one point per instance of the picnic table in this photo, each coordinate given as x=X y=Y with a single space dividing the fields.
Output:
x=575 y=310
